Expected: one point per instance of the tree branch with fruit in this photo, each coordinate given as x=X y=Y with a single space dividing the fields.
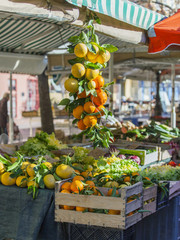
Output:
x=87 y=87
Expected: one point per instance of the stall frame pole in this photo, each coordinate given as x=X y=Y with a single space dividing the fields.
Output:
x=111 y=77
x=173 y=109
x=11 y=113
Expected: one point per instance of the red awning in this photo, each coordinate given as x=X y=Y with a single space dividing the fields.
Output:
x=165 y=34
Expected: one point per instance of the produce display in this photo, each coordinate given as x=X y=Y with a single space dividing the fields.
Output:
x=165 y=172
x=87 y=89
x=42 y=144
x=153 y=132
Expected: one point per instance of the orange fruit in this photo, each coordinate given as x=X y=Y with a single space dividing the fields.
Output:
x=68 y=207
x=86 y=174
x=114 y=212
x=130 y=214
x=127 y=179
x=71 y=85
x=77 y=171
x=147 y=178
x=90 y=210
x=66 y=186
x=99 y=109
x=99 y=80
x=78 y=70
x=65 y=191
x=91 y=73
x=135 y=174
x=77 y=112
x=110 y=192
x=80 y=178
x=80 y=50
x=103 y=57
x=90 y=183
x=100 y=99
x=80 y=209
x=82 y=95
x=81 y=125
x=90 y=121
x=77 y=186
x=95 y=191
x=89 y=107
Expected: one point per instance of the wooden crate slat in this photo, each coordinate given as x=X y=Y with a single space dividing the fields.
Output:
x=150 y=207
x=173 y=187
x=131 y=220
x=91 y=201
x=149 y=193
x=98 y=219
x=135 y=204
x=131 y=190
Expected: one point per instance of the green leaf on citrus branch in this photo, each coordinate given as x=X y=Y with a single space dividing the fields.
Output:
x=111 y=48
x=65 y=101
x=75 y=60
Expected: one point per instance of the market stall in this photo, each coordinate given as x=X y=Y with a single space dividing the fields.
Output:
x=106 y=187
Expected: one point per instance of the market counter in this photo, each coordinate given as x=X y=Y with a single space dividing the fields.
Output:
x=22 y=218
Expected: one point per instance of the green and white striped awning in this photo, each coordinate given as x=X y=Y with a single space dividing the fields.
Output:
x=122 y=10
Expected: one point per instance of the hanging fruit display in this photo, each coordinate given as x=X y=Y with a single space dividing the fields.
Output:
x=86 y=86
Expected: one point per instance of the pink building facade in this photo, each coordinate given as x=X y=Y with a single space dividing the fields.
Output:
x=25 y=92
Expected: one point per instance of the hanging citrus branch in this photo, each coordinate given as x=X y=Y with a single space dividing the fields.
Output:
x=86 y=85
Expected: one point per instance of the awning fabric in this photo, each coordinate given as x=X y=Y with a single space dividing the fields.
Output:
x=165 y=34
x=122 y=10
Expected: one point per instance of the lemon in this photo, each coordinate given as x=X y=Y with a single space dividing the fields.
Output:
x=2 y=168
x=92 y=73
x=48 y=165
x=49 y=181
x=21 y=181
x=71 y=85
x=78 y=70
x=91 y=56
x=114 y=184
x=7 y=180
x=90 y=168
x=91 y=84
x=80 y=50
x=24 y=166
x=64 y=171
x=30 y=169
x=31 y=182
x=103 y=57
x=13 y=159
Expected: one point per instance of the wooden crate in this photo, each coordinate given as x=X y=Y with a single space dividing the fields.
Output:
x=174 y=187
x=142 y=154
x=121 y=221
x=149 y=200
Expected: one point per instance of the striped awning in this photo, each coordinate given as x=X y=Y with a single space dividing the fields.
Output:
x=122 y=10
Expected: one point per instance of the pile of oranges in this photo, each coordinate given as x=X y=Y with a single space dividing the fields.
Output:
x=94 y=103
x=79 y=185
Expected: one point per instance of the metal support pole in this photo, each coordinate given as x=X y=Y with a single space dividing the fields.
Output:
x=173 y=109
x=11 y=132
x=111 y=77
